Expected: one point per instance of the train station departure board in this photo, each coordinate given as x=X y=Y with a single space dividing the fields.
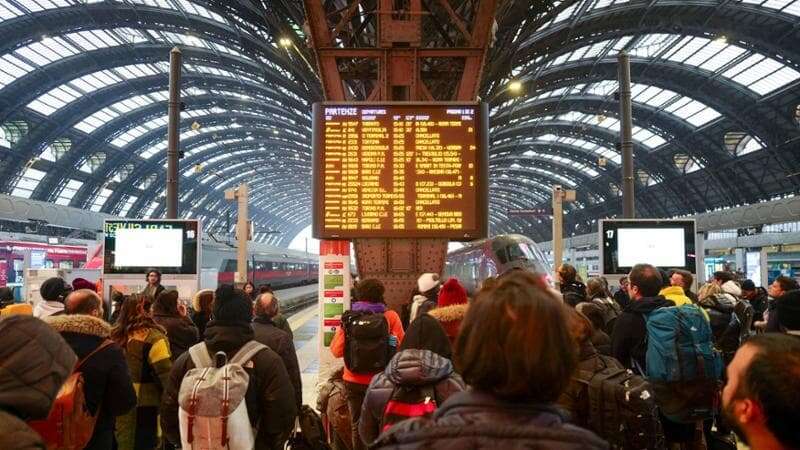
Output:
x=400 y=170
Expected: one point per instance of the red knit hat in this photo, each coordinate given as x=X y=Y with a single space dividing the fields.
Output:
x=82 y=283
x=452 y=293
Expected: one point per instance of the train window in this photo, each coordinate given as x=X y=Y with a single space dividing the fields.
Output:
x=502 y=256
x=67 y=264
x=230 y=265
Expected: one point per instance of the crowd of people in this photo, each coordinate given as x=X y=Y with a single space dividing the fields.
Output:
x=132 y=363
x=519 y=365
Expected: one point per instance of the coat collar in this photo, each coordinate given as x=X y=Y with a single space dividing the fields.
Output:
x=450 y=313
x=81 y=324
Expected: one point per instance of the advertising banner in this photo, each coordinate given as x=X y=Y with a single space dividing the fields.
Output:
x=334 y=292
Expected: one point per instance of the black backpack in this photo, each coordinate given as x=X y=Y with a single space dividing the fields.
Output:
x=622 y=407
x=366 y=342
x=725 y=324
x=611 y=310
x=309 y=433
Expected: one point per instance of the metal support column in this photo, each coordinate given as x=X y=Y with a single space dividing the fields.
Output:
x=558 y=228
x=242 y=233
x=173 y=137
x=626 y=135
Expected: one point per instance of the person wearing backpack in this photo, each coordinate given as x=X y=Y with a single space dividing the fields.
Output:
x=266 y=392
x=369 y=336
x=418 y=379
x=598 y=294
x=725 y=324
x=606 y=398
x=516 y=354
x=630 y=331
x=147 y=352
x=108 y=390
x=34 y=362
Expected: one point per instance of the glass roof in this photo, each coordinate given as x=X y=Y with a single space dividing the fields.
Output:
x=760 y=74
x=791 y=7
x=10 y=11
x=682 y=107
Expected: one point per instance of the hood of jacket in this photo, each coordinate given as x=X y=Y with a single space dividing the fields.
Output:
x=477 y=420
x=416 y=367
x=730 y=287
x=646 y=305
x=47 y=308
x=80 y=324
x=34 y=362
x=227 y=338
x=676 y=294
x=196 y=299
x=452 y=313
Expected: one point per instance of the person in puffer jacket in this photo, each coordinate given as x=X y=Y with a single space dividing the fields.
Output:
x=516 y=373
x=451 y=308
x=423 y=360
x=720 y=307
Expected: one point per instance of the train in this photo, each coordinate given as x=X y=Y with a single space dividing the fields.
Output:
x=484 y=258
x=280 y=268
x=42 y=255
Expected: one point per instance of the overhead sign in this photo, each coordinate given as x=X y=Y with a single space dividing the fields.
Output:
x=400 y=170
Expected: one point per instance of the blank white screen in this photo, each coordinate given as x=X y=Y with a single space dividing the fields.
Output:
x=661 y=247
x=149 y=248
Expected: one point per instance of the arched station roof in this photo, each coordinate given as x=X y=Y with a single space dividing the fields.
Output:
x=83 y=106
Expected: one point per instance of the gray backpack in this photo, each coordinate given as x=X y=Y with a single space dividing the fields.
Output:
x=212 y=408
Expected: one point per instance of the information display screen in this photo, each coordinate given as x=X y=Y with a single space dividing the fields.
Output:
x=400 y=170
x=132 y=247
x=666 y=244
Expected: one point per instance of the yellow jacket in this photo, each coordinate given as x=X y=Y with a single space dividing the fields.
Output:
x=675 y=293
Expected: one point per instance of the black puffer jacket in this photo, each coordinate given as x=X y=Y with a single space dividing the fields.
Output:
x=477 y=420
x=630 y=331
x=34 y=361
x=408 y=368
x=269 y=397
x=181 y=333
x=106 y=373
x=267 y=333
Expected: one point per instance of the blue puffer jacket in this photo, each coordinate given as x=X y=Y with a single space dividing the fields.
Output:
x=477 y=420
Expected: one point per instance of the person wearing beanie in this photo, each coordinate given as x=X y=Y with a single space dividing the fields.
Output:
x=34 y=362
x=181 y=331
x=82 y=283
x=425 y=299
x=53 y=291
x=422 y=362
x=451 y=307
x=270 y=396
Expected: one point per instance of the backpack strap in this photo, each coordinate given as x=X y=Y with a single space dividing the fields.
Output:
x=104 y=344
x=200 y=356
x=247 y=352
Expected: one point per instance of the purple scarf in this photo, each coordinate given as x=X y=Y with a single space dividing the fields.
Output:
x=374 y=308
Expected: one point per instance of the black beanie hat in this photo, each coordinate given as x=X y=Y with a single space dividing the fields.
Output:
x=231 y=306
x=426 y=333
x=54 y=289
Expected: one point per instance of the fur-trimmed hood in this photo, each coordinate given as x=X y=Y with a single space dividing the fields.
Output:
x=81 y=324
x=196 y=298
x=452 y=313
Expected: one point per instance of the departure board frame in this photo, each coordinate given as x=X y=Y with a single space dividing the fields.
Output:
x=481 y=165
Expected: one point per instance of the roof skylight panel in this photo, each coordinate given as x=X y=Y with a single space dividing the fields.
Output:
x=27 y=183
x=127 y=206
x=776 y=80
x=723 y=57
x=69 y=191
